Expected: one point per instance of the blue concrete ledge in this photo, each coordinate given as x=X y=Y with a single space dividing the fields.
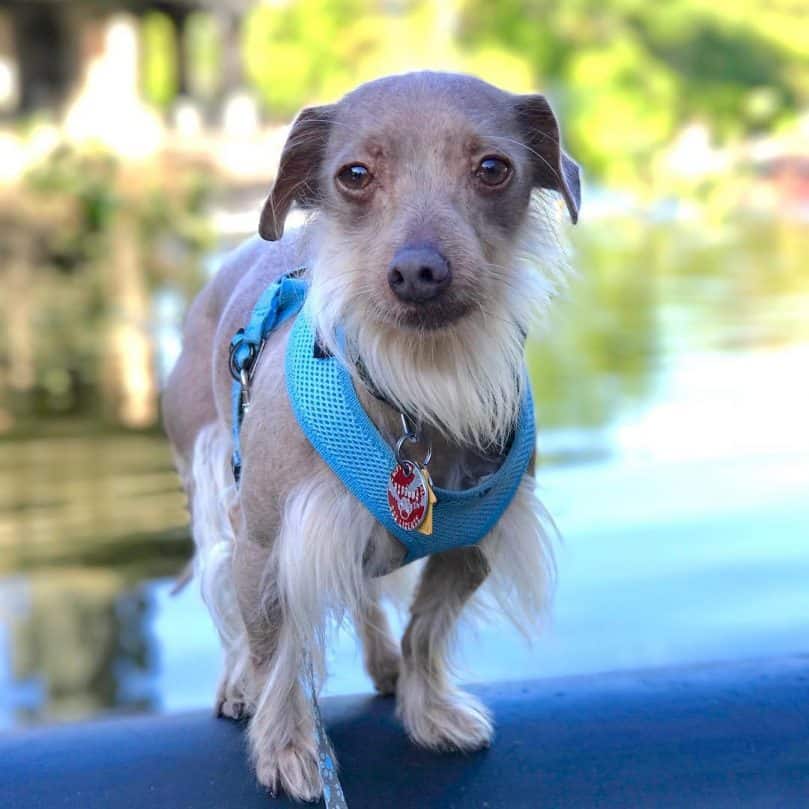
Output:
x=734 y=735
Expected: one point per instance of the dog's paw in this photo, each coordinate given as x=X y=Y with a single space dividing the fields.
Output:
x=291 y=769
x=384 y=671
x=231 y=703
x=445 y=722
x=227 y=708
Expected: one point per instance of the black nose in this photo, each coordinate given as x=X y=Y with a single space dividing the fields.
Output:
x=418 y=274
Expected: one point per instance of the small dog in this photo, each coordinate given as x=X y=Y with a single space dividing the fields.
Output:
x=429 y=245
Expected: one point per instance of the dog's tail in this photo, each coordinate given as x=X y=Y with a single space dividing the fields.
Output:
x=214 y=504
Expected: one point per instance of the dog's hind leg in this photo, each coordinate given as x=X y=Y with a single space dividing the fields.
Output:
x=380 y=649
x=213 y=511
x=436 y=714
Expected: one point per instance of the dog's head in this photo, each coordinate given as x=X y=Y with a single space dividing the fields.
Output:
x=423 y=187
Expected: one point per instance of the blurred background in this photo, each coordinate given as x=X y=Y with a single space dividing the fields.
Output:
x=137 y=139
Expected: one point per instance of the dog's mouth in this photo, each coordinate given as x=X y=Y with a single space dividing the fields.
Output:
x=431 y=315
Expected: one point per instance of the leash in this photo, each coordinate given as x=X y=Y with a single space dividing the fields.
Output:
x=333 y=796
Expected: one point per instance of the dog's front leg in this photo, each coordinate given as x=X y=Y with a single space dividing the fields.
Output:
x=281 y=730
x=436 y=714
x=313 y=569
x=380 y=649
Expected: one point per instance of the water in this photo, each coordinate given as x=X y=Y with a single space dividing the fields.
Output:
x=673 y=395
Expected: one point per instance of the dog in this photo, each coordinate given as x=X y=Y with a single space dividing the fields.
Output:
x=430 y=244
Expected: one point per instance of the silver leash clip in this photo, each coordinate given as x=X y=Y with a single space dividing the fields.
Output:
x=244 y=381
x=242 y=371
x=411 y=435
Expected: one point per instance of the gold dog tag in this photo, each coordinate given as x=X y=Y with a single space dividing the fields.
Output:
x=426 y=526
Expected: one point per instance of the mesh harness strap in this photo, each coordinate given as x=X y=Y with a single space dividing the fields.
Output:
x=331 y=416
x=280 y=301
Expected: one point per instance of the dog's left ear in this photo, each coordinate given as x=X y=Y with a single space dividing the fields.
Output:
x=552 y=167
x=298 y=172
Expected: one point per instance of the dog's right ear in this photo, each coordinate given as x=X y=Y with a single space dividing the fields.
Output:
x=298 y=172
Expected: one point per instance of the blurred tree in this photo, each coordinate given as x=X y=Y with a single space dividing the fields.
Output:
x=291 y=51
x=94 y=238
x=204 y=49
x=313 y=50
x=626 y=73
x=17 y=372
x=159 y=59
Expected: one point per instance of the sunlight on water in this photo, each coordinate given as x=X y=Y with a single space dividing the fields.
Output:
x=672 y=395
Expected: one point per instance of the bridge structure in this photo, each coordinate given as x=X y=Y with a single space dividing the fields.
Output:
x=713 y=736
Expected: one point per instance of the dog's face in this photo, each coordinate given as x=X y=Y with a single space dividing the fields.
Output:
x=422 y=183
x=422 y=187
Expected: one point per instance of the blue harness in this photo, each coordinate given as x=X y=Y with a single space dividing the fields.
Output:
x=329 y=412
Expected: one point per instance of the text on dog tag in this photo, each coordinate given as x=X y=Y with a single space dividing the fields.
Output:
x=408 y=495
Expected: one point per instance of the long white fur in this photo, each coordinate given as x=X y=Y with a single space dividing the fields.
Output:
x=213 y=510
x=319 y=568
x=520 y=554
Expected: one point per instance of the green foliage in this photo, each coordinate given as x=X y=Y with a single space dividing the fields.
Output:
x=626 y=73
x=617 y=114
x=204 y=49
x=67 y=215
x=159 y=59
x=316 y=50
x=292 y=52
x=87 y=183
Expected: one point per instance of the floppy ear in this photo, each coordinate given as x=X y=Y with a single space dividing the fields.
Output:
x=298 y=172
x=552 y=167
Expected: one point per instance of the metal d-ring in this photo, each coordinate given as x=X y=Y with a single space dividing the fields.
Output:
x=411 y=436
x=243 y=371
x=233 y=364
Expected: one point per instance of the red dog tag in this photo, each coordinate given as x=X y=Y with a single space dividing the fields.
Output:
x=408 y=498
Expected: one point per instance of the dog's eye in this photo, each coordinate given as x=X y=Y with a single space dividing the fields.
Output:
x=493 y=171
x=354 y=177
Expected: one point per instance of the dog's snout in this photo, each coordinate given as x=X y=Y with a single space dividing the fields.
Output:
x=418 y=274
